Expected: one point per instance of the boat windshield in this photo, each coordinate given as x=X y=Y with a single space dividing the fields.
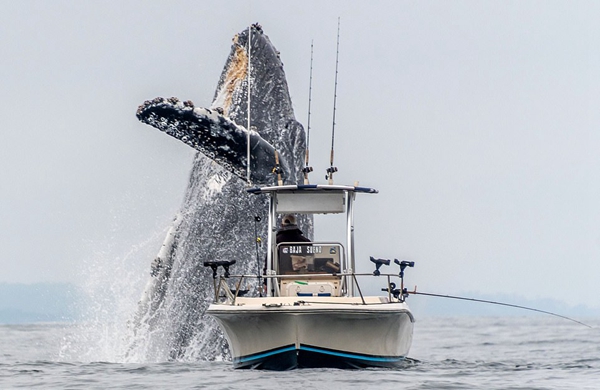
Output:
x=295 y=258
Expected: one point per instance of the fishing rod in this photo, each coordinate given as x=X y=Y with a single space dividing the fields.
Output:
x=248 y=109
x=277 y=169
x=258 y=242
x=331 y=170
x=402 y=292
x=307 y=169
x=415 y=292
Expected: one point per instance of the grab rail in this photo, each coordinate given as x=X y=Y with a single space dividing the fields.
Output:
x=231 y=296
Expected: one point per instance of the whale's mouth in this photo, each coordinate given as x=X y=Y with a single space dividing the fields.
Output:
x=237 y=72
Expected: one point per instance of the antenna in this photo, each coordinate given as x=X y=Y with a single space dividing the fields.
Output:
x=248 y=109
x=307 y=169
x=331 y=170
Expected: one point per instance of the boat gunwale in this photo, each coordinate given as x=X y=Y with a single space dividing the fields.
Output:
x=312 y=188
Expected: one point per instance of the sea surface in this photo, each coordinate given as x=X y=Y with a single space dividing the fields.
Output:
x=534 y=352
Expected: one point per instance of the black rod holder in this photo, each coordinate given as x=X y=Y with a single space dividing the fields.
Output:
x=378 y=263
x=403 y=264
x=214 y=265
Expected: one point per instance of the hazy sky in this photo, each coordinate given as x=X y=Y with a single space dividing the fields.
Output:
x=479 y=123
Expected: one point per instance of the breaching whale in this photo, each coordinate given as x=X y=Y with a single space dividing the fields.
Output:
x=217 y=218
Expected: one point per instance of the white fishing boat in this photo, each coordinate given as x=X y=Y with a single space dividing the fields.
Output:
x=313 y=312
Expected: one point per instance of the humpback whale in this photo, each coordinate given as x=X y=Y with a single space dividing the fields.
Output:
x=217 y=218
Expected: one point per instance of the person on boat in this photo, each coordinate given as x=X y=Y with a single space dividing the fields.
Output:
x=289 y=231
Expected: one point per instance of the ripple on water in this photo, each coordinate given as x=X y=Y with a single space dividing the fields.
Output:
x=441 y=358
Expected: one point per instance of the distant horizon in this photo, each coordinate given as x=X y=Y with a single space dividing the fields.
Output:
x=24 y=303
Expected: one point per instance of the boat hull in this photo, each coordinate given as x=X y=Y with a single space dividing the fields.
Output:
x=282 y=334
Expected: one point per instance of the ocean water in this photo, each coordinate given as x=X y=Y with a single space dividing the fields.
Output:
x=534 y=352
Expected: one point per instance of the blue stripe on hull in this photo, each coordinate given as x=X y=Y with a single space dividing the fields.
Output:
x=279 y=359
x=288 y=357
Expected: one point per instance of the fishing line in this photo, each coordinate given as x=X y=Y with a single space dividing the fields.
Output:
x=248 y=109
x=307 y=169
x=258 y=241
x=497 y=303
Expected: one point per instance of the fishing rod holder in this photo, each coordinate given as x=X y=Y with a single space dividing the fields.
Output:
x=378 y=263
x=214 y=265
x=221 y=288
x=403 y=264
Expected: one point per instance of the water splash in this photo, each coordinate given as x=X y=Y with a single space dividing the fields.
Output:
x=216 y=222
x=110 y=286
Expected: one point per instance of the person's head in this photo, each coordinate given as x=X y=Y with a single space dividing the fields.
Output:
x=288 y=220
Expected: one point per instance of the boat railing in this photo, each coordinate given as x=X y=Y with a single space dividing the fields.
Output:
x=223 y=290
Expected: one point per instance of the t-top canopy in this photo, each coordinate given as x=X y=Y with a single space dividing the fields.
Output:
x=310 y=198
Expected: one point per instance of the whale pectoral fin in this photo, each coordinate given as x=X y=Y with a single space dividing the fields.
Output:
x=213 y=134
